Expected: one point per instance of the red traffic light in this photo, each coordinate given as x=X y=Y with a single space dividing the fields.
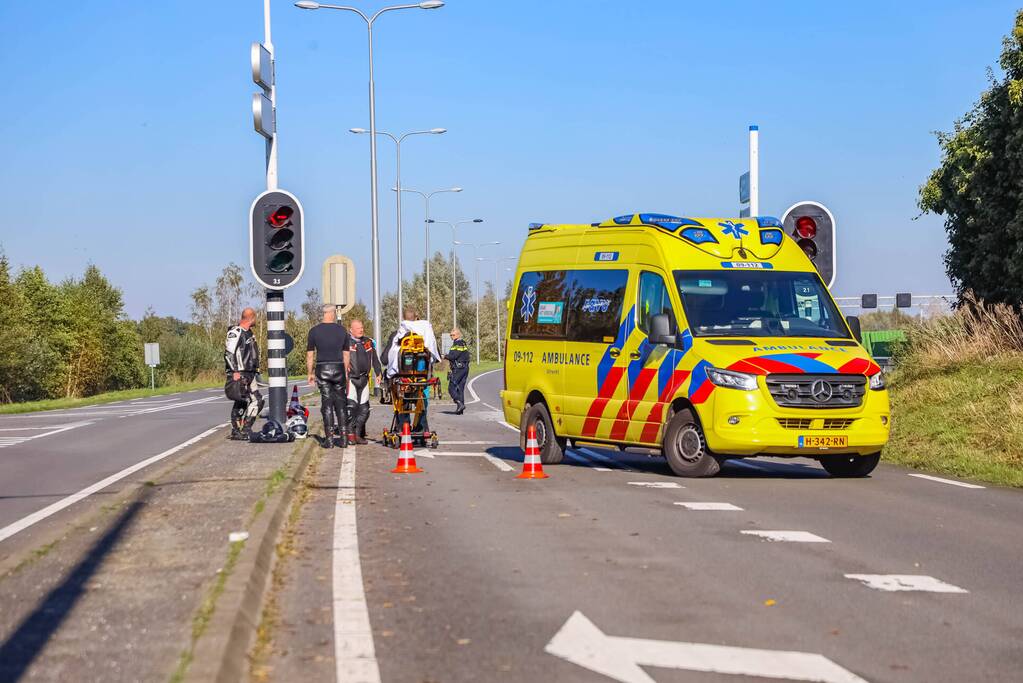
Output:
x=806 y=228
x=280 y=216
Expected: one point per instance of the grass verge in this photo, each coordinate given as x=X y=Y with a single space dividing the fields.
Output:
x=963 y=420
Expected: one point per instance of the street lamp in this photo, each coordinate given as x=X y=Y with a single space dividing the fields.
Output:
x=397 y=182
x=497 y=293
x=454 y=241
x=475 y=253
x=375 y=243
x=426 y=196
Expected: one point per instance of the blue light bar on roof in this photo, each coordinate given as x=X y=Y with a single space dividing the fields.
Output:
x=768 y=222
x=666 y=222
x=623 y=220
x=698 y=235
x=772 y=236
x=536 y=226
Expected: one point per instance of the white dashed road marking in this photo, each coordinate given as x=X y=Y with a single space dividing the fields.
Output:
x=585 y=461
x=787 y=536
x=354 y=654
x=709 y=506
x=6 y=441
x=656 y=484
x=496 y=462
x=589 y=452
x=963 y=484
x=906 y=582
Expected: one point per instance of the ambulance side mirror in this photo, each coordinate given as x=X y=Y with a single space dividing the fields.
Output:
x=854 y=325
x=661 y=330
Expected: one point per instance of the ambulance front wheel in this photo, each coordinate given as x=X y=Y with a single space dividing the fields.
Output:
x=552 y=447
x=685 y=447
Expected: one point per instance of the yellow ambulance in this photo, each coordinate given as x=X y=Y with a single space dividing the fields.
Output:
x=706 y=338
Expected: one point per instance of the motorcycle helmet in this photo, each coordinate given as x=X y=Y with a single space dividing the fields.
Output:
x=297 y=427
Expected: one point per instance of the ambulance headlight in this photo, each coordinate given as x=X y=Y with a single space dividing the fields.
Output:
x=731 y=379
x=877 y=381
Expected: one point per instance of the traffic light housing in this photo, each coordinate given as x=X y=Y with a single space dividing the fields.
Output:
x=812 y=226
x=276 y=248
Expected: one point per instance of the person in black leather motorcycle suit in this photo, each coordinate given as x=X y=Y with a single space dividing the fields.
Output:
x=327 y=362
x=363 y=353
x=241 y=363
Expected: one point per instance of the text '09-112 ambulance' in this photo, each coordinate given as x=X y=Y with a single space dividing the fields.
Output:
x=708 y=338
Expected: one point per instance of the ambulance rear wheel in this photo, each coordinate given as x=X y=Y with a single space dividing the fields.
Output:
x=685 y=447
x=850 y=465
x=552 y=447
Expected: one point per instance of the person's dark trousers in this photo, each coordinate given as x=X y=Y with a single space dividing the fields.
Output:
x=456 y=386
x=330 y=378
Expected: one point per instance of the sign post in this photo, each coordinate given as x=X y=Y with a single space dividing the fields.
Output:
x=338 y=283
x=749 y=182
x=152 y=352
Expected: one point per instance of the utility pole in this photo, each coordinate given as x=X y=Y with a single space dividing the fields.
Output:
x=754 y=170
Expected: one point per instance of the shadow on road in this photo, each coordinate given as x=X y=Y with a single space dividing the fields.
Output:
x=30 y=637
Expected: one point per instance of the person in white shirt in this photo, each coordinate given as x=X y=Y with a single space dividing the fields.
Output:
x=411 y=324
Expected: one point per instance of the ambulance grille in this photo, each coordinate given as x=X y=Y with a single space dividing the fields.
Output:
x=832 y=391
x=834 y=423
x=794 y=422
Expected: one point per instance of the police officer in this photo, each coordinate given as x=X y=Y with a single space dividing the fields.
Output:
x=327 y=362
x=458 y=373
x=241 y=363
x=363 y=354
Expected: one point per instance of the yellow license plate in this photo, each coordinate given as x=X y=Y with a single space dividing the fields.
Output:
x=823 y=441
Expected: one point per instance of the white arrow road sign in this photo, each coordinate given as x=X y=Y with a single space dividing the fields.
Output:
x=581 y=642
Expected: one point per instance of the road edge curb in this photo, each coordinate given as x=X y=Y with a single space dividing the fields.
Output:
x=222 y=653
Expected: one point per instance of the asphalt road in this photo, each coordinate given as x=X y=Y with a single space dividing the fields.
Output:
x=47 y=456
x=608 y=566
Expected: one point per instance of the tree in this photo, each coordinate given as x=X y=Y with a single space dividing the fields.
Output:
x=978 y=188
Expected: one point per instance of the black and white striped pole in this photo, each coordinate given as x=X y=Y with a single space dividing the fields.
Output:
x=276 y=249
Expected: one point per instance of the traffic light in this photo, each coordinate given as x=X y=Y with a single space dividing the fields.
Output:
x=812 y=226
x=276 y=249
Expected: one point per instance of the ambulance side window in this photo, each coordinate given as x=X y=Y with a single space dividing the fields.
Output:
x=539 y=306
x=653 y=300
x=595 y=301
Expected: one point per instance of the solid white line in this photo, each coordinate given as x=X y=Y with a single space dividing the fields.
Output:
x=947 y=481
x=605 y=459
x=39 y=515
x=747 y=465
x=709 y=506
x=787 y=536
x=160 y=409
x=656 y=484
x=472 y=382
x=468 y=443
x=906 y=582
x=354 y=655
x=15 y=440
x=586 y=461
x=498 y=463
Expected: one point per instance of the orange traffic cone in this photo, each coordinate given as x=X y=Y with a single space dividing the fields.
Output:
x=406 y=457
x=532 y=468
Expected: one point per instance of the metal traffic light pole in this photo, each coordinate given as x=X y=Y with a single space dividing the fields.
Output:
x=275 y=355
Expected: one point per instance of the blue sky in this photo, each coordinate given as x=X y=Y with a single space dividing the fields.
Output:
x=129 y=142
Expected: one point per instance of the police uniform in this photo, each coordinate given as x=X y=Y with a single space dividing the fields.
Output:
x=458 y=357
x=363 y=358
x=241 y=355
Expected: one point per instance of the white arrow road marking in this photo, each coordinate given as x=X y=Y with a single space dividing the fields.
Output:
x=906 y=582
x=947 y=481
x=354 y=654
x=15 y=440
x=709 y=506
x=40 y=515
x=789 y=536
x=581 y=642
x=656 y=484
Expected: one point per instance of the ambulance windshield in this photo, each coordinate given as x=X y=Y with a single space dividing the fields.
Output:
x=758 y=303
